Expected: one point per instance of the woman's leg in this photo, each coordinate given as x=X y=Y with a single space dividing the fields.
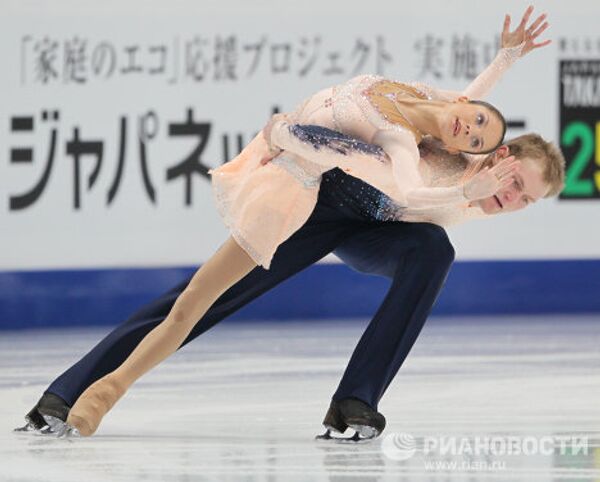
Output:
x=226 y=267
x=114 y=348
x=325 y=229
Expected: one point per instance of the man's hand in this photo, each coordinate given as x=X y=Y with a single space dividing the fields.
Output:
x=489 y=181
x=525 y=34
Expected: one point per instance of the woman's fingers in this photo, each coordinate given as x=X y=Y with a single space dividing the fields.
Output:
x=508 y=171
x=506 y=27
x=536 y=23
x=506 y=167
x=541 y=44
x=539 y=31
x=525 y=18
x=503 y=163
x=510 y=166
x=506 y=160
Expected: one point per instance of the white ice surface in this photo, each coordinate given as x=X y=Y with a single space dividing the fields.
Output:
x=245 y=401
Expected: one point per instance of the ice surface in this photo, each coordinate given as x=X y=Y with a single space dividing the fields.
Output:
x=245 y=401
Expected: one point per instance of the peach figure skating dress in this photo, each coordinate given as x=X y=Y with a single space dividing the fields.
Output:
x=263 y=205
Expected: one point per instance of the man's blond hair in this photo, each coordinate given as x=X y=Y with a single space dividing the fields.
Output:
x=546 y=154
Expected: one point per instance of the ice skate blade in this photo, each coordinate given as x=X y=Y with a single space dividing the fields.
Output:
x=60 y=428
x=365 y=431
x=356 y=438
x=29 y=428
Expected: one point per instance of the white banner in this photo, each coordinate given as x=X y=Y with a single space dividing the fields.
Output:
x=112 y=113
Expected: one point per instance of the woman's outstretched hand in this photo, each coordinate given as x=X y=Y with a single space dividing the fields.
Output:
x=489 y=181
x=525 y=34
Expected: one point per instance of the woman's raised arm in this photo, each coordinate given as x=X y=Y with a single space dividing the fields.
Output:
x=515 y=45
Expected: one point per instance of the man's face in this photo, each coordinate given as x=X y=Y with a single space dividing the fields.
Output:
x=527 y=187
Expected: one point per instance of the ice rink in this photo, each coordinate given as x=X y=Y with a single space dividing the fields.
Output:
x=245 y=401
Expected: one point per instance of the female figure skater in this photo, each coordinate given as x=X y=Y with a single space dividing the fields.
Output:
x=264 y=204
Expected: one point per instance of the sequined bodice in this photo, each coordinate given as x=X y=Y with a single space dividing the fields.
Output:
x=385 y=96
x=368 y=103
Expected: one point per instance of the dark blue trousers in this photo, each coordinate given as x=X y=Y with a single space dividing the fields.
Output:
x=416 y=257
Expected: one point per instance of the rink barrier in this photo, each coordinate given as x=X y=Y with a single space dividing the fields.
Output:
x=31 y=299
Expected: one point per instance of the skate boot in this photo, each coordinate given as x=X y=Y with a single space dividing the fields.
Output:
x=47 y=417
x=95 y=402
x=356 y=414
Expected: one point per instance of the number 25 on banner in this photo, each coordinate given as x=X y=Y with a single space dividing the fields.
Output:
x=583 y=173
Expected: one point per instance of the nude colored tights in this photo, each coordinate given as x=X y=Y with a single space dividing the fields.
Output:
x=225 y=268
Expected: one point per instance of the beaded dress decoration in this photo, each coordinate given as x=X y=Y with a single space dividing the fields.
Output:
x=383 y=96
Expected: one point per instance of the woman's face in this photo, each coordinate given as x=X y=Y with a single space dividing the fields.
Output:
x=469 y=127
